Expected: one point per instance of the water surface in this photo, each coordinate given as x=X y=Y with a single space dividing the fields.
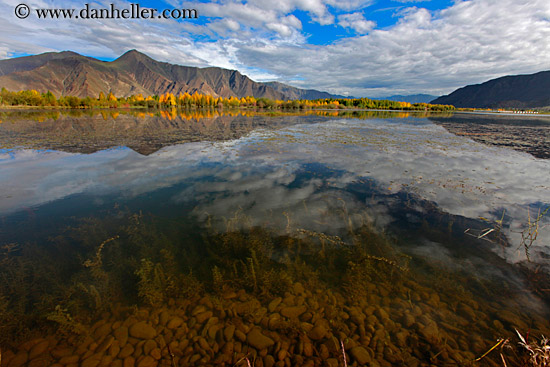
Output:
x=215 y=239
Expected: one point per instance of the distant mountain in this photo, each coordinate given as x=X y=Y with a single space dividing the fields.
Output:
x=297 y=93
x=412 y=98
x=68 y=73
x=32 y=62
x=514 y=91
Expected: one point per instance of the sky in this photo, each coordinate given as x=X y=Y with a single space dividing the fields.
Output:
x=361 y=48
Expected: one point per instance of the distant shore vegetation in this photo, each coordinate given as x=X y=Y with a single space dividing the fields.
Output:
x=33 y=98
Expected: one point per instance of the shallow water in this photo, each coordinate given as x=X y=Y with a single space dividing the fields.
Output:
x=209 y=239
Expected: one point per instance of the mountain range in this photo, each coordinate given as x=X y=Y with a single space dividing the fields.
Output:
x=68 y=73
x=412 y=98
x=297 y=93
x=513 y=91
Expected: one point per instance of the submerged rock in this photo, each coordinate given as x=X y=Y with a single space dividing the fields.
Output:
x=106 y=344
x=69 y=359
x=19 y=360
x=126 y=351
x=164 y=317
x=198 y=309
x=147 y=361
x=149 y=346
x=361 y=355
x=269 y=361
x=298 y=288
x=240 y=335
x=258 y=340
x=93 y=361
x=142 y=330
x=203 y=316
x=228 y=332
x=174 y=323
x=408 y=320
x=317 y=333
x=293 y=311
x=121 y=334
x=274 y=303
x=102 y=330
x=38 y=349
x=430 y=332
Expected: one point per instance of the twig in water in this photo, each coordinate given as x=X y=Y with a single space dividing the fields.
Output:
x=500 y=341
x=483 y=233
x=242 y=359
x=344 y=353
x=434 y=357
x=171 y=355
x=503 y=360
x=486 y=233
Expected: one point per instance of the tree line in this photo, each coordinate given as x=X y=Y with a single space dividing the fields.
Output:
x=199 y=100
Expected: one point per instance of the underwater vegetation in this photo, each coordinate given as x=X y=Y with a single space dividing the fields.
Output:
x=138 y=289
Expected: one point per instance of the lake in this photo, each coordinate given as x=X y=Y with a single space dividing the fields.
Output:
x=325 y=238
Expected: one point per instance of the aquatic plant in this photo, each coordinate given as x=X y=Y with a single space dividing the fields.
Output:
x=539 y=353
x=152 y=282
x=99 y=287
x=17 y=313
x=345 y=279
x=95 y=265
x=218 y=281
x=530 y=233
x=66 y=323
x=156 y=285
x=259 y=275
x=529 y=354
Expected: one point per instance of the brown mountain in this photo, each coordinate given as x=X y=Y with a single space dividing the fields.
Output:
x=513 y=91
x=68 y=73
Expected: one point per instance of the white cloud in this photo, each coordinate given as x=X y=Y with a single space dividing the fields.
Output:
x=430 y=52
x=424 y=52
x=357 y=22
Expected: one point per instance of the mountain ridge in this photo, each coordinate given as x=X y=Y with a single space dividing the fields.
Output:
x=298 y=93
x=68 y=73
x=511 y=91
x=410 y=98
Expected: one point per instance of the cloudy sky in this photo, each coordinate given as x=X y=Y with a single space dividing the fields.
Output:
x=361 y=48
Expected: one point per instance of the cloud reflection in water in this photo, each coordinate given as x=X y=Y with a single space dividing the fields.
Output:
x=306 y=170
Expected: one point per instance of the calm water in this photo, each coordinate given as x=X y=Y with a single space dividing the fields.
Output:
x=176 y=239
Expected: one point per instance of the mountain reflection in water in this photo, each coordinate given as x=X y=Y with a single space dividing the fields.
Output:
x=88 y=131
